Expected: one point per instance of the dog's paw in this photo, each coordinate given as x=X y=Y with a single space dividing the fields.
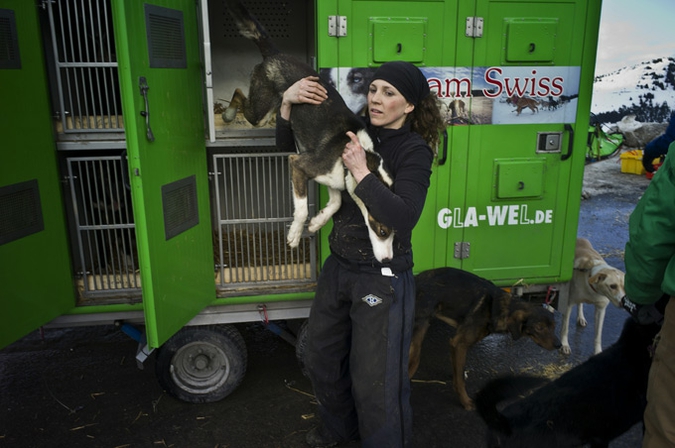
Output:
x=293 y=237
x=316 y=223
x=469 y=404
x=229 y=114
x=566 y=349
x=582 y=322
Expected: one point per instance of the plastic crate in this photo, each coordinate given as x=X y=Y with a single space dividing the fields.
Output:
x=631 y=162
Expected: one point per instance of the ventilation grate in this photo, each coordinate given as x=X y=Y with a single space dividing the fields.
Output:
x=21 y=211
x=275 y=16
x=166 y=38
x=179 y=200
x=9 y=44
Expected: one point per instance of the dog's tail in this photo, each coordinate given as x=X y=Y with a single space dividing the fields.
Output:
x=500 y=390
x=250 y=28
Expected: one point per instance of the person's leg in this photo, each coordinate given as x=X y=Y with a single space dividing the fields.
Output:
x=658 y=417
x=382 y=319
x=327 y=355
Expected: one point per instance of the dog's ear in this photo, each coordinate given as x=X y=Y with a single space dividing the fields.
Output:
x=516 y=323
x=597 y=278
x=583 y=262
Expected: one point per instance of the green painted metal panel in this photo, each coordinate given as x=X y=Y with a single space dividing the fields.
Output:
x=493 y=186
x=35 y=278
x=528 y=237
x=530 y=40
x=402 y=39
x=519 y=178
x=421 y=32
x=168 y=167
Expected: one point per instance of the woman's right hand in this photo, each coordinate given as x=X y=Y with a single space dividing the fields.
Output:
x=307 y=90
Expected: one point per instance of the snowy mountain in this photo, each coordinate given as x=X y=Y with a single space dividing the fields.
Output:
x=646 y=90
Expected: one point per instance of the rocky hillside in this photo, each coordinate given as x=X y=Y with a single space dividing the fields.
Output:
x=645 y=90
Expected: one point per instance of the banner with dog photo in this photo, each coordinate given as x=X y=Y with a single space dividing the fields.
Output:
x=482 y=95
x=506 y=95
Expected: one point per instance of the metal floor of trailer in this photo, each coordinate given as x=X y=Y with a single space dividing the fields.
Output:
x=81 y=387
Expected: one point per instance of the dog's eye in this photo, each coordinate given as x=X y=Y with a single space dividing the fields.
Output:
x=358 y=77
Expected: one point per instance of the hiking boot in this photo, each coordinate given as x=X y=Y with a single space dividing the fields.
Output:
x=317 y=437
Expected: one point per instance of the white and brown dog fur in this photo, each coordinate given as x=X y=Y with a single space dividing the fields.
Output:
x=320 y=133
x=593 y=282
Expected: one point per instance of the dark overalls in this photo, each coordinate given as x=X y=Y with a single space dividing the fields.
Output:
x=359 y=335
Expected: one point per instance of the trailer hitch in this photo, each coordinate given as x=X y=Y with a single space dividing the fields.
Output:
x=143 y=350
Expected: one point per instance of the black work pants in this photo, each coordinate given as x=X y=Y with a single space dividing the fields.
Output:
x=359 y=333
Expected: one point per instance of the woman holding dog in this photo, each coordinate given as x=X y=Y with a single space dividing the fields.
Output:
x=360 y=325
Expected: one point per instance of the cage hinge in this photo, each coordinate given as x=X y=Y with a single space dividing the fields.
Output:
x=337 y=26
x=474 y=27
x=462 y=250
x=43 y=4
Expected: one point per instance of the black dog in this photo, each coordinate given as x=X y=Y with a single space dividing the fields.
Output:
x=476 y=307
x=593 y=403
x=319 y=131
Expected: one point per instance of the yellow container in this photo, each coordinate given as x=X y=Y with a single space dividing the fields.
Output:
x=631 y=162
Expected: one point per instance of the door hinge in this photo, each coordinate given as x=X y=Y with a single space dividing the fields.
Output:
x=474 y=27
x=337 y=26
x=462 y=250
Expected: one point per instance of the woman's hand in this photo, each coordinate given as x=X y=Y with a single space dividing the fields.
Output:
x=307 y=90
x=354 y=158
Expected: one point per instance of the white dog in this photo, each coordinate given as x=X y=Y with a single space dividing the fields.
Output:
x=594 y=282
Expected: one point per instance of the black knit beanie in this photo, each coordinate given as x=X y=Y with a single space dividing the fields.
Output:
x=407 y=79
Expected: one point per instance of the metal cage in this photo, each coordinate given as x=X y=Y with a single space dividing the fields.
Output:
x=105 y=256
x=84 y=65
x=253 y=208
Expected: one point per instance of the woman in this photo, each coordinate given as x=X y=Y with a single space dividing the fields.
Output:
x=360 y=324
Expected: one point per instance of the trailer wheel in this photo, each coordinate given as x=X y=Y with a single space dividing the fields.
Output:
x=300 y=347
x=202 y=364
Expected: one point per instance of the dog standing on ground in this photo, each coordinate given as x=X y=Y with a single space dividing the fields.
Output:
x=476 y=308
x=593 y=403
x=594 y=282
x=320 y=133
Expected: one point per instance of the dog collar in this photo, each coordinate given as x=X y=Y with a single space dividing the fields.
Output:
x=593 y=287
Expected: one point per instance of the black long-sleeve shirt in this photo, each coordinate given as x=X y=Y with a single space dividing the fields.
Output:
x=408 y=158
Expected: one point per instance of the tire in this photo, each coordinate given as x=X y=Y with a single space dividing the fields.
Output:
x=300 y=347
x=202 y=364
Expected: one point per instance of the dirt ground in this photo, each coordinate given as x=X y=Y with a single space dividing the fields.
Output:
x=80 y=387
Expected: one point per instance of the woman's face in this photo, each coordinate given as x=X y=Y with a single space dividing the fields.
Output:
x=387 y=108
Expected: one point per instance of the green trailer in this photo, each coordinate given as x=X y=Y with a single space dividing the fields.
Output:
x=127 y=198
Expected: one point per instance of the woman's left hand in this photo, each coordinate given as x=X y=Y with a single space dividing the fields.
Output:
x=354 y=158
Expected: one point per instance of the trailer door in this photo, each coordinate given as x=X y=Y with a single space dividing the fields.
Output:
x=363 y=35
x=160 y=79
x=35 y=277
x=523 y=181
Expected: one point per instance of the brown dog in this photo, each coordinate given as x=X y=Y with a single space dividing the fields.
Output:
x=523 y=102
x=476 y=308
x=594 y=282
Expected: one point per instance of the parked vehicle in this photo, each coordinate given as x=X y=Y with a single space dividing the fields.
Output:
x=127 y=199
